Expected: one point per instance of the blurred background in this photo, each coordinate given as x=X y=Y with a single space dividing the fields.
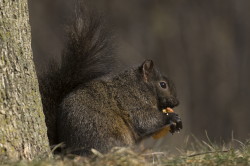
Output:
x=204 y=46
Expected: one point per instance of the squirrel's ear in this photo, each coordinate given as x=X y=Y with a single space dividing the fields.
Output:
x=147 y=68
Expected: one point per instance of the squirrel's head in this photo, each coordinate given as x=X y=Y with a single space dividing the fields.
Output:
x=163 y=87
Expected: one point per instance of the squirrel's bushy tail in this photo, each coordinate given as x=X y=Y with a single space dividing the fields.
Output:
x=87 y=55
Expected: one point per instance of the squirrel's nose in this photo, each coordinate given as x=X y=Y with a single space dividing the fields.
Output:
x=172 y=102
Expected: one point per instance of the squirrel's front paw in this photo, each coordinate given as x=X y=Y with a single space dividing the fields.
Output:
x=174 y=122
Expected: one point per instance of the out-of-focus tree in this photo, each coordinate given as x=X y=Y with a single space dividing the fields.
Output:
x=203 y=46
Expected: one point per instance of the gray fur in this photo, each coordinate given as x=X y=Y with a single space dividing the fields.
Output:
x=118 y=111
x=85 y=107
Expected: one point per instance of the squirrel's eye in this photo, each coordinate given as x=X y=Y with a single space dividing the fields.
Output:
x=163 y=85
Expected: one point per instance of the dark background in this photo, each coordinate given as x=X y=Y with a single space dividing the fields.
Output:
x=204 y=46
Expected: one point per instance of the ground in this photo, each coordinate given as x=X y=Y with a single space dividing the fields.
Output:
x=198 y=153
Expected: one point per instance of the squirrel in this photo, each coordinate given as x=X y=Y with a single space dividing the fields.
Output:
x=87 y=107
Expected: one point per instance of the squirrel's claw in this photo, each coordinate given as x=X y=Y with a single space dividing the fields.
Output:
x=175 y=122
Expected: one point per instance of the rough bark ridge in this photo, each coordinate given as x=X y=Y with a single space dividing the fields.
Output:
x=22 y=125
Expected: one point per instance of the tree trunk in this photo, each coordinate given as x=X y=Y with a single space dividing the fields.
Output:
x=23 y=133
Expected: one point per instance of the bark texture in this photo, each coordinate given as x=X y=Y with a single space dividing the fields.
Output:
x=23 y=133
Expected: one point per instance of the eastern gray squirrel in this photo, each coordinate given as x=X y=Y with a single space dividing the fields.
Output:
x=87 y=107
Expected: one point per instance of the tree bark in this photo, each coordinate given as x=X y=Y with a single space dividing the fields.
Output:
x=23 y=133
